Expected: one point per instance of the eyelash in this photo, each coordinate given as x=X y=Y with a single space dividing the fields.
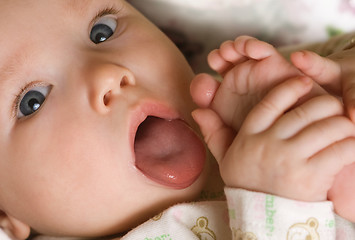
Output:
x=21 y=94
x=104 y=12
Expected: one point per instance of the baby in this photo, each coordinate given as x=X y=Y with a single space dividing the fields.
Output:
x=106 y=96
x=96 y=119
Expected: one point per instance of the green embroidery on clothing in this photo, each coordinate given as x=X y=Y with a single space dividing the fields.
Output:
x=161 y=237
x=231 y=213
x=330 y=223
x=333 y=31
x=210 y=195
x=270 y=212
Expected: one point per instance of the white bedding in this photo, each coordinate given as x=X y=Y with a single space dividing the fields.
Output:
x=204 y=24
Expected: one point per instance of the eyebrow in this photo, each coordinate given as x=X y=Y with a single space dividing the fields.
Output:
x=12 y=78
x=13 y=63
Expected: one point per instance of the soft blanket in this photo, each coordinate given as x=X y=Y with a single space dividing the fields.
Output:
x=198 y=26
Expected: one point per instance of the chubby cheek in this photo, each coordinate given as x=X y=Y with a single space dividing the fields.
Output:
x=342 y=193
x=66 y=174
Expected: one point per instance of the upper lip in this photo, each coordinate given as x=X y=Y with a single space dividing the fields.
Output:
x=146 y=109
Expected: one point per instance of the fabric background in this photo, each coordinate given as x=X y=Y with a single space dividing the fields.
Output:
x=197 y=26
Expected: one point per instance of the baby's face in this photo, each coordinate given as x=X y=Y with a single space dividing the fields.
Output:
x=77 y=79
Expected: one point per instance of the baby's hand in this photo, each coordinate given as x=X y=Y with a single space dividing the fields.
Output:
x=336 y=73
x=250 y=68
x=294 y=154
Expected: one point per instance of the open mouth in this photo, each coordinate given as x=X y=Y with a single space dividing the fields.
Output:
x=169 y=152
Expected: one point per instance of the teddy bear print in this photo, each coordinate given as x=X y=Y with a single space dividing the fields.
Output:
x=157 y=217
x=304 y=231
x=202 y=231
x=240 y=235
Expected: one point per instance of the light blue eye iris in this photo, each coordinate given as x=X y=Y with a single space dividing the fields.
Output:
x=32 y=101
x=103 y=29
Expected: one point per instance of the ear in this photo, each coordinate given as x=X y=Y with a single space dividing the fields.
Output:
x=13 y=227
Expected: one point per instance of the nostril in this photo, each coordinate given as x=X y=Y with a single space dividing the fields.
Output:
x=124 y=82
x=107 y=98
x=110 y=92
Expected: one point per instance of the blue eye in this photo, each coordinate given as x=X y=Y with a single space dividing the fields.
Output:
x=103 y=29
x=32 y=101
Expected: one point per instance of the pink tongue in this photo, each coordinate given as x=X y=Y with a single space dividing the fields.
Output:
x=169 y=152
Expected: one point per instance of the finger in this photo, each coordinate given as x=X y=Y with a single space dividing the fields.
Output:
x=237 y=78
x=275 y=103
x=309 y=112
x=217 y=62
x=333 y=158
x=328 y=73
x=229 y=53
x=323 y=70
x=254 y=48
x=203 y=89
x=350 y=109
x=349 y=94
x=323 y=133
x=217 y=135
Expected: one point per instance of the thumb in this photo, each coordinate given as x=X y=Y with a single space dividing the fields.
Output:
x=217 y=135
x=203 y=89
x=349 y=95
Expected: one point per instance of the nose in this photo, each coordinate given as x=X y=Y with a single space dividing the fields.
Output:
x=107 y=82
